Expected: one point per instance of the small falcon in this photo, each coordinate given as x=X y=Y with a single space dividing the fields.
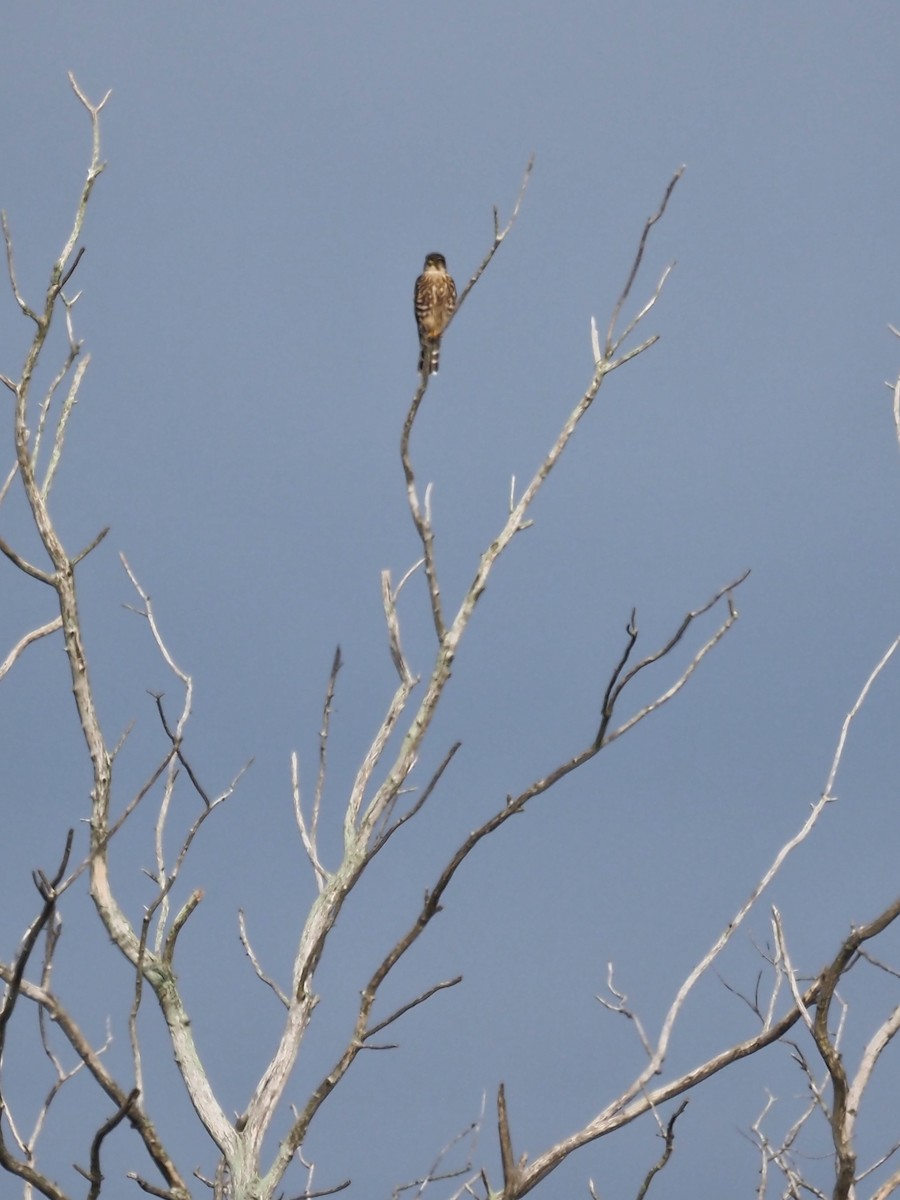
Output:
x=435 y=301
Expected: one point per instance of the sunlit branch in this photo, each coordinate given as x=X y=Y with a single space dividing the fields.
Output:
x=827 y=794
x=24 y=642
x=11 y=272
x=44 y=408
x=788 y=969
x=307 y=835
x=389 y=603
x=26 y=567
x=620 y=1005
x=376 y=808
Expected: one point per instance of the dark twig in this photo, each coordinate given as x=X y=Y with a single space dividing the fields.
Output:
x=423 y=798
x=512 y=1169
x=95 y=1175
x=336 y=663
x=619 y=682
x=176 y=746
x=146 y=1186
x=71 y=271
x=411 y=1004
x=47 y=889
x=638 y=258
x=666 y=1154
x=338 y=1187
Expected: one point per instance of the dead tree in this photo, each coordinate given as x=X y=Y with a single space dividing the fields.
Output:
x=385 y=795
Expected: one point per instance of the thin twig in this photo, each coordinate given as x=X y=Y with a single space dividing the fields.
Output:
x=499 y=235
x=410 y=1005
x=248 y=950
x=635 y=266
x=669 y=1138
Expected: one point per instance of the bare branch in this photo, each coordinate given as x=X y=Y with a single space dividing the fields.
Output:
x=178 y=924
x=389 y=602
x=638 y=1098
x=875 y=1047
x=434 y=1174
x=23 y=643
x=620 y=1005
x=306 y=835
x=71 y=271
x=609 y=359
x=13 y=472
x=175 y=738
x=635 y=267
x=47 y=889
x=619 y=682
x=382 y=803
x=59 y=438
x=511 y=1168
x=788 y=969
x=248 y=950
x=499 y=235
x=422 y=518
x=11 y=271
x=888 y=1188
x=669 y=1138
x=95 y=1175
x=336 y=665
x=827 y=795
x=23 y=565
x=423 y=799
x=92 y=545
x=411 y=1004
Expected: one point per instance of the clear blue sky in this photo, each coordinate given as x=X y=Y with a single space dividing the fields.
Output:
x=276 y=174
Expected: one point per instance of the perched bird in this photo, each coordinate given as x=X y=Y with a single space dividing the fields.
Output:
x=435 y=300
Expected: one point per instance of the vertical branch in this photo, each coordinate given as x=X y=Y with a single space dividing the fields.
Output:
x=422 y=518
x=336 y=664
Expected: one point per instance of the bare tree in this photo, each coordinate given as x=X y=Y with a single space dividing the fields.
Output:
x=386 y=794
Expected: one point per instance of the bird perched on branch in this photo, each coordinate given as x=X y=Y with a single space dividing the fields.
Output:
x=435 y=301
